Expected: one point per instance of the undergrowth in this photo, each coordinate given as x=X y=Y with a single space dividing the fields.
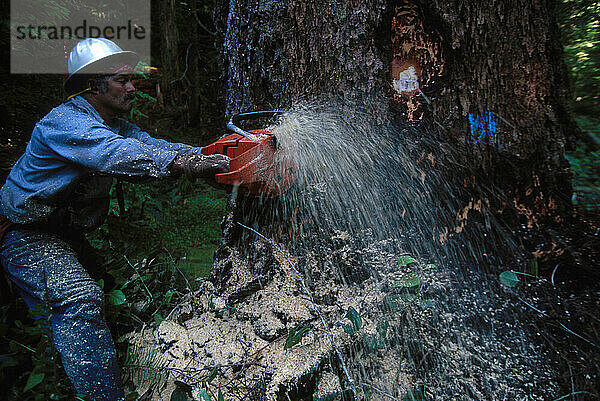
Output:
x=152 y=255
x=585 y=165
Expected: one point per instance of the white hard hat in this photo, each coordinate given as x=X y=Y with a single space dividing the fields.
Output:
x=95 y=55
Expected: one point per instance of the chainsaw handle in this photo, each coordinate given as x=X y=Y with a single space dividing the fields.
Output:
x=251 y=115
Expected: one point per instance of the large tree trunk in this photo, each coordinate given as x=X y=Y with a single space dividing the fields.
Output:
x=483 y=82
x=469 y=99
x=482 y=66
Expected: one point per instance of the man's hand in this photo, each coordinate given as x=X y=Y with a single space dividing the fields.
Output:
x=195 y=165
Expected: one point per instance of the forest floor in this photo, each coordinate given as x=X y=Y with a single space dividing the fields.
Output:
x=451 y=337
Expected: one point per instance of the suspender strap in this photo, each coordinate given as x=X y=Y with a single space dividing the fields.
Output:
x=4 y=226
x=120 y=197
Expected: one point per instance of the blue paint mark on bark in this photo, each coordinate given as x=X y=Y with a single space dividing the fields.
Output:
x=483 y=126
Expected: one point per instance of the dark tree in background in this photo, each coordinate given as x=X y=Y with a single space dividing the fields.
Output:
x=580 y=23
x=487 y=76
x=184 y=52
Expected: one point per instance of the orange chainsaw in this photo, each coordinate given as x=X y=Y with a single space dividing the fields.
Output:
x=255 y=167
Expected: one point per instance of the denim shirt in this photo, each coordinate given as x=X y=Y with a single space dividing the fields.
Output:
x=64 y=176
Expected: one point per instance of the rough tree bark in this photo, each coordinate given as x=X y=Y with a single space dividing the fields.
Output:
x=490 y=76
x=486 y=78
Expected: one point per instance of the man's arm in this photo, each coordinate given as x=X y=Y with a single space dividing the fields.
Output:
x=131 y=130
x=189 y=160
x=99 y=149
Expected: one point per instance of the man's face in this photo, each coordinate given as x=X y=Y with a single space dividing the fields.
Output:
x=120 y=94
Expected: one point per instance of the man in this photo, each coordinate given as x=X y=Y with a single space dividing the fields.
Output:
x=59 y=189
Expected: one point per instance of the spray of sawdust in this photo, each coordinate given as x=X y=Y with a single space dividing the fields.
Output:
x=366 y=192
x=369 y=178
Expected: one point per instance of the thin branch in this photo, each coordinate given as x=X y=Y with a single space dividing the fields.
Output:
x=187 y=52
x=179 y=270
x=565 y=328
x=564 y=397
x=140 y=277
x=424 y=97
x=531 y=306
x=553 y=273
x=391 y=397
x=203 y=26
x=504 y=120
x=568 y=330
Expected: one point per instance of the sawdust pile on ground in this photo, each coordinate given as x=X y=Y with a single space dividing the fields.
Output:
x=446 y=337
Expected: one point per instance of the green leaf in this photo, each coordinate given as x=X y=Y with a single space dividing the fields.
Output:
x=204 y=396
x=179 y=394
x=212 y=375
x=33 y=380
x=392 y=302
x=168 y=296
x=414 y=395
x=426 y=303
x=158 y=319
x=116 y=297
x=382 y=328
x=327 y=397
x=355 y=319
x=312 y=368
x=410 y=280
x=534 y=267
x=373 y=342
x=133 y=396
x=13 y=346
x=295 y=335
x=408 y=297
x=220 y=396
x=405 y=260
x=509 y=278
x=101 y=283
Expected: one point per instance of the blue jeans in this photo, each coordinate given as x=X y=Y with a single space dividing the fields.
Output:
x=46 y=266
